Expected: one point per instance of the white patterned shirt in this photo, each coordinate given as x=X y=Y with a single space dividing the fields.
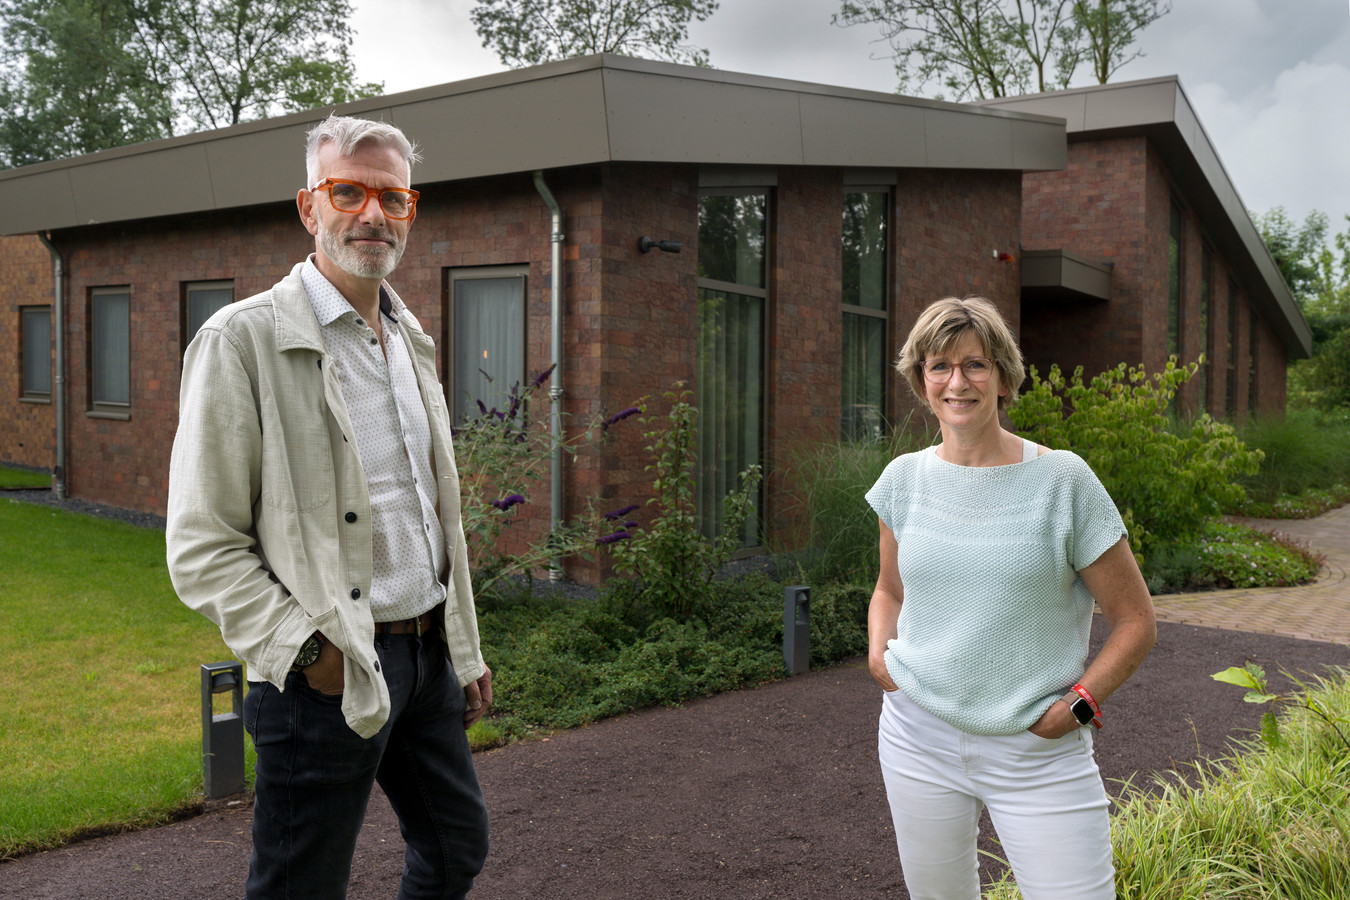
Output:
x=409 y=564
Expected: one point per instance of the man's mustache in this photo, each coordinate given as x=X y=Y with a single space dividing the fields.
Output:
x=370 y=234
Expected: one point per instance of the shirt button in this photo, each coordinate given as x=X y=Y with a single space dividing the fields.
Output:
x=351 y=517
x=373 y=342
x=356 y=593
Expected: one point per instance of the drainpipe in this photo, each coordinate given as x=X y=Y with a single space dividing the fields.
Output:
x=555 y=390
x=59 y=377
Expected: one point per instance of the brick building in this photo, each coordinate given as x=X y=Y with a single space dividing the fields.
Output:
x=814 y=223
x=1140 y=248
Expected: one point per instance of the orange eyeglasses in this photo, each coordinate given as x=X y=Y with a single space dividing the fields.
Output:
x=352 y=197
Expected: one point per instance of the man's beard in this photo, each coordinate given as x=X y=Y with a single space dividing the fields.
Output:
x=361 y=261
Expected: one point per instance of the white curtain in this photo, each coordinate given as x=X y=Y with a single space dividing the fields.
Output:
x=489 y=342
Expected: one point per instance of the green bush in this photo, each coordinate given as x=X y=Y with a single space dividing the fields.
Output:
x=1166 y=485
x=673 y=561
x=1304 y=451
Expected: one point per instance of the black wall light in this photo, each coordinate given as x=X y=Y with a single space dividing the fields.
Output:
x=646 y=244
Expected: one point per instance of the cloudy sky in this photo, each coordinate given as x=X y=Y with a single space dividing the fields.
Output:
x=1270 y=79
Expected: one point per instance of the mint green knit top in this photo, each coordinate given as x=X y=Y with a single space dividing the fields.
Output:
x=994 y=623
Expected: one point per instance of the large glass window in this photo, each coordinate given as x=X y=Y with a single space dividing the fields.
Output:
x=110 y=347
x=1174 y=233
x=1206 y=304
x=862 y=375
x=732 y=300
x=36 y=323
x=1230 y=362
x=487 y=331
x=201 y=301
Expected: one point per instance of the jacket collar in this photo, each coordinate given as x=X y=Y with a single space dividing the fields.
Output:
x=298 y=327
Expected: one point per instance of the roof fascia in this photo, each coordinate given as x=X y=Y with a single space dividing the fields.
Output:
x=575 y=112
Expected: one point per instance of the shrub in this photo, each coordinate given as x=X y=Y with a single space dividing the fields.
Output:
x=673 y=561
x=501 y=458
x=1166 y=485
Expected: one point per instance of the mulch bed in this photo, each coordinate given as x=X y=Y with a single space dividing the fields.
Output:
x=766 y=793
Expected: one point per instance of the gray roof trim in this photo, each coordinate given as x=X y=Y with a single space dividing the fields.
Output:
x=1060 y=275
x=1159 y=109
x=580 y=111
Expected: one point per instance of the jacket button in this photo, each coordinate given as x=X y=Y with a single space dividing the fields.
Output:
x=350 y=517
x=356 y=593
x=377 y=665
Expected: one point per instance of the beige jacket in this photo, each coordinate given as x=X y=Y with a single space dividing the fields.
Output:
x=269 y=514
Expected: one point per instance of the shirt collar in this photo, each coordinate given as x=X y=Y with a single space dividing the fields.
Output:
x=329 y=304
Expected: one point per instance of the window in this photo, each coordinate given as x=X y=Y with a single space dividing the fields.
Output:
x=1174 y=235
x=1230 y=364
x=732 y=301
x=36 y=323
x=487 y=331
x=201 y=300
x=1206 y=302
x=110 y=347
x=1253 y=346
x=862 y=375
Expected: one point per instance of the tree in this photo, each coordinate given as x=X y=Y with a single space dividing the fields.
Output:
x=1110 y=28
x=1317 y=271
x=77 y=76
x=74 y=81
x=235 y=60
x=998 y=48
x=529 y=32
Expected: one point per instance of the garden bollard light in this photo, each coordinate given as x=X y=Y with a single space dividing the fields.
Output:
x=223 y=735
x=797 y=629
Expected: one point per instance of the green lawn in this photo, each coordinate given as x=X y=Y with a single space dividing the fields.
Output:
x=23 y=478
x=100 y=725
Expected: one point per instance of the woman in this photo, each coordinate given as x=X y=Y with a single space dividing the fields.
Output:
x=993 y=550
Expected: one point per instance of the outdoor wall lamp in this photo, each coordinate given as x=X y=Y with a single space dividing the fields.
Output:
x=1003 y=256
x=646 y=244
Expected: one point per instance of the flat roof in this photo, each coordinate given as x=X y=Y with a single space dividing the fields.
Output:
x=1158 y=109
x=593 y=109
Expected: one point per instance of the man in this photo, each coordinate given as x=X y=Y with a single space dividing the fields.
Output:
x=314 y=516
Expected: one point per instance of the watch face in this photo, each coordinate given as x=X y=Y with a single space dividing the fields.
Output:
x=1082 y=711
x=309 y=653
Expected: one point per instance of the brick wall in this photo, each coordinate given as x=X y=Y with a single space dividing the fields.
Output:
x=1112 y=204
x=27 y=425
x=949 y=225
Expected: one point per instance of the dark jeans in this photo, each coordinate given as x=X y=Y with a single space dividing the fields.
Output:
x=314 y=777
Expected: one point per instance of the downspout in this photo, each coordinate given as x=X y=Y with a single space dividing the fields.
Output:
x=59 y=376
x=555 y=390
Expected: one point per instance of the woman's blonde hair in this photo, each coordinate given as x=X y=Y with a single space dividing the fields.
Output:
x=944 y=323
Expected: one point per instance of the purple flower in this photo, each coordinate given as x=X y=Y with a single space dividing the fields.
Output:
x=542 y=376
x=620 y=416
x=620 y=513
x=507 y=502
x=613 y=538
x=481 y=407
x=630 y=524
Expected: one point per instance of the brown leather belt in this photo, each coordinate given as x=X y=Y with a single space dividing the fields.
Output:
x=418 y=625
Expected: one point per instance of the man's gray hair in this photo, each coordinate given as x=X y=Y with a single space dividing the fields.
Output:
x=349 y=133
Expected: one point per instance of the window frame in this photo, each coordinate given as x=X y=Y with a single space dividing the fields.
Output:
x=186 y=333
x=883 y=314
x=118 y=409
x=456 y=274
x=709 y=513
x=26 y=392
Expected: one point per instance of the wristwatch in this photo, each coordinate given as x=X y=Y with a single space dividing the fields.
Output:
x=309 y=652
x=1078 y=705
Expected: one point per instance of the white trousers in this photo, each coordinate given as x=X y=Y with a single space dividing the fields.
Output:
x=1045 y=798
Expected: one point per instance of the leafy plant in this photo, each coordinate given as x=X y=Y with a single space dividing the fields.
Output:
x=1253 y=677
x=673 y=561
x=502 y=457
x=1166 y=484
